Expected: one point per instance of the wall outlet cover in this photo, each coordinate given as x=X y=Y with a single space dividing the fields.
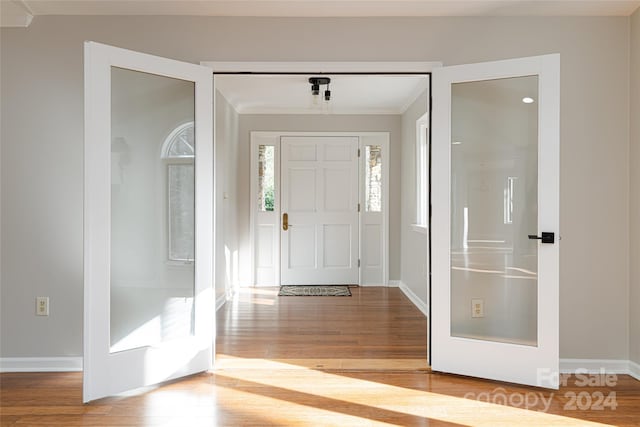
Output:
x=477 y=307
x=42 y=306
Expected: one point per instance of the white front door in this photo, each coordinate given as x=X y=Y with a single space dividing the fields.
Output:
x=319 y=210
x=495 y=192
x=148 y=216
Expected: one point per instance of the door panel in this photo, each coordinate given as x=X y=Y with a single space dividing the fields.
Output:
x=144 y=289
x=495 y=182
x=148 y=269
x=303 y=238
x=302 y=194
x=337 y=152
x=301 y=152
x=265 y=250
x=320 y=197
x=338 y=189
x=337 y=247
x=492 y=259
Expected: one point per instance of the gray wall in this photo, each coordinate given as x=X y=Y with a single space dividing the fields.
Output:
x=41 y=113
x=414 y=245
x=634 y=165
x=227 y=156
x=320 y=123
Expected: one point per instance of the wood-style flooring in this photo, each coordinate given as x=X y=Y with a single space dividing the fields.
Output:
x=321 y=361
x=374 y=328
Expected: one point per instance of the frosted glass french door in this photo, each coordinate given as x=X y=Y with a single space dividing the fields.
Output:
x=148 y=308
x=495 y=195
x=319 y=209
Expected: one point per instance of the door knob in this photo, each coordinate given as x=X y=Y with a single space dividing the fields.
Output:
x=285 y=221
x=547 y=237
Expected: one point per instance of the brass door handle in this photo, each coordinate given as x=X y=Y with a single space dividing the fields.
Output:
x=285 y=221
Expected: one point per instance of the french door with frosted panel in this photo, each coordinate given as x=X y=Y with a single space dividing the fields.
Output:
x=495 y=220
x=148 y=310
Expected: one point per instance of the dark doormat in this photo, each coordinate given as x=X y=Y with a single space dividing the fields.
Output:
x=314 y=291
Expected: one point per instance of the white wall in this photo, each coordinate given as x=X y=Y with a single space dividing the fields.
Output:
x=227 y=159
x=634 y=166
x=320 y=123
x=41 y=145
x=415 y=245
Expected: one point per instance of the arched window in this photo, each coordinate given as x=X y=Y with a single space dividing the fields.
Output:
x=180 y=143
x=178 y=153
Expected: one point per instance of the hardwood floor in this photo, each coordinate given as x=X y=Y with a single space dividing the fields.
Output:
x=374 y=328
x=320 y=361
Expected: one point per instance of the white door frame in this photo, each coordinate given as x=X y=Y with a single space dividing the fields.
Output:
x=305 y=67
x=273 y=138
x=533 y=365
x=363 y=67
x=108 y=372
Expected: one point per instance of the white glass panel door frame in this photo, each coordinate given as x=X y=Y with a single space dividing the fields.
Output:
x=531 y=365
x=108 y=373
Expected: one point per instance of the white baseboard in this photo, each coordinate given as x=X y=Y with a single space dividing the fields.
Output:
x=421 y=305
x=40 y=364
x=597 y=366
x=394 y=283
x=634 y=370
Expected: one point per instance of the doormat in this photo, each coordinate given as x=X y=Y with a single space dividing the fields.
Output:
x=314 y=291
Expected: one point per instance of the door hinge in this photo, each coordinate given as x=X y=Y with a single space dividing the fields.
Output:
x=358 y=152
x=358 y=263
x=358 y=207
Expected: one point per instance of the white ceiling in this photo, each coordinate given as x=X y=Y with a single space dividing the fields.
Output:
x=20 y=12
x=350 y=94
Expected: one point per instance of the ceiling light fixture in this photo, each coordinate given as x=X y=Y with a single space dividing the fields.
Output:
x=316 y=82
x=527 y=100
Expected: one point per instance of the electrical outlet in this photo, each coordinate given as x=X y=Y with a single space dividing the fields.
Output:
x=42 y=306
x=477 y=308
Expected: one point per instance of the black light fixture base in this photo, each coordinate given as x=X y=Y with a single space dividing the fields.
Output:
x=316 y=82
x=319 y=81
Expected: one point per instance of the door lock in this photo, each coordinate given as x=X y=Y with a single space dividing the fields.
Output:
x=285 y=221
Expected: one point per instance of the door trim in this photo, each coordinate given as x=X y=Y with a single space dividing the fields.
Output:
x=361 y=67
x=260 y=138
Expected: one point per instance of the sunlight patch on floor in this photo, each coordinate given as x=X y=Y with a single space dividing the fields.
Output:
x=250 y=404
x=256 y=296
x=318 y=387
